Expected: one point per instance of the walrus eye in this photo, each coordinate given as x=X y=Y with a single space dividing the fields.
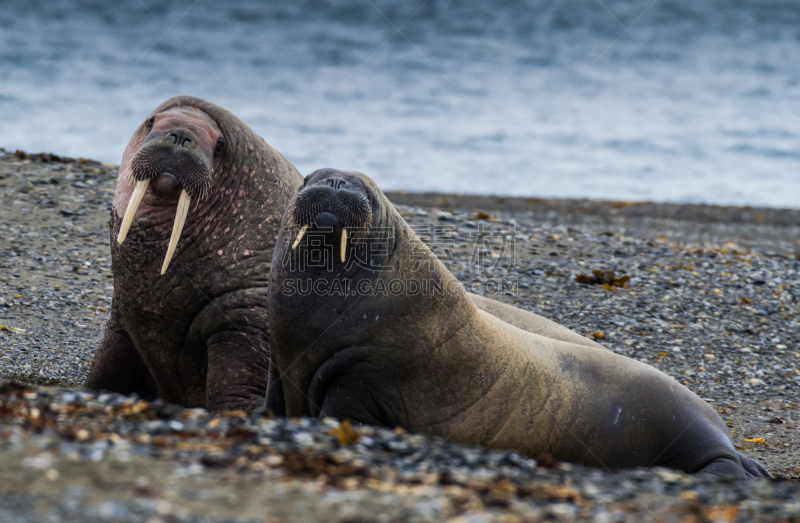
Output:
x=220 y=146
x=150 y=123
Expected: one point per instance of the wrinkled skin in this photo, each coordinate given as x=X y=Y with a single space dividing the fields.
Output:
x=197 y=336
x=452 y=365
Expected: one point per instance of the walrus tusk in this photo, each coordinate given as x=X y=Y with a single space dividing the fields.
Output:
x=344 y=243
x=300 y=236
x=133 y=206
x=177 y=228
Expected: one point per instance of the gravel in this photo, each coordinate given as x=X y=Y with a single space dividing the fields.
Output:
x=55 y=268
x=76 y=456
x=710 y=295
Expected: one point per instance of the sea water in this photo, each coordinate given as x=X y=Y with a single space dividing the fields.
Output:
x=672 y=100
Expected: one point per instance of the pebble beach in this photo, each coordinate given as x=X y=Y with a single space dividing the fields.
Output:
x=710 y=295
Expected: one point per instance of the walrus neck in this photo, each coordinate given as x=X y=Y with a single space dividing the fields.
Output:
x=440 y=309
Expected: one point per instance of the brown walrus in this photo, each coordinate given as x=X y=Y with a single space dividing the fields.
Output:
x=350 y=340
x=197 y=208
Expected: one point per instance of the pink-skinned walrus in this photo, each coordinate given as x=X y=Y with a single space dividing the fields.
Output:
x=197 y=208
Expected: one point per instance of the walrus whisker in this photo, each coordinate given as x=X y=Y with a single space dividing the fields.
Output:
x=344 y=242
x=177 y=228
x=133 y=206
x=300 y=236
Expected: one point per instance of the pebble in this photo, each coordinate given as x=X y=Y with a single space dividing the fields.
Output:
x=265 y=452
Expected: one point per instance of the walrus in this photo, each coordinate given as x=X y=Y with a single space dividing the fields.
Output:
x=349 y=340
x=197 y=208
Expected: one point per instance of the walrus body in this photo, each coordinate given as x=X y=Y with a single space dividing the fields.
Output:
x=194 y=328
x=530 y=322
x=434 y=362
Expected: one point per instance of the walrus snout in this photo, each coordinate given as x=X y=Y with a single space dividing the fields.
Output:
x=334 y=201
x=177 y=154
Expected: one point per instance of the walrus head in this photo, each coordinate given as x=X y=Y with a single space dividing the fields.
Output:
x=332 y=203
x=175 y=159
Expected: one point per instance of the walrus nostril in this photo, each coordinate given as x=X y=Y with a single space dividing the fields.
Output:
x=336 y=183
x=180 y=138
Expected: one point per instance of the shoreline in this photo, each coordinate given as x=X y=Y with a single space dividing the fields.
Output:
x=600 y=207
x=697 y=212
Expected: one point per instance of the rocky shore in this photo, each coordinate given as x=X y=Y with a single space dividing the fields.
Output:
x=708 y=294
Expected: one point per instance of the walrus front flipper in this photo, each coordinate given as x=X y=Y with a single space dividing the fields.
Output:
x=234 y=329
x=350 y=399
x=348 y=386
x=117 y=366
x=752 y=468
x=724 y=467
x=237 y=370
